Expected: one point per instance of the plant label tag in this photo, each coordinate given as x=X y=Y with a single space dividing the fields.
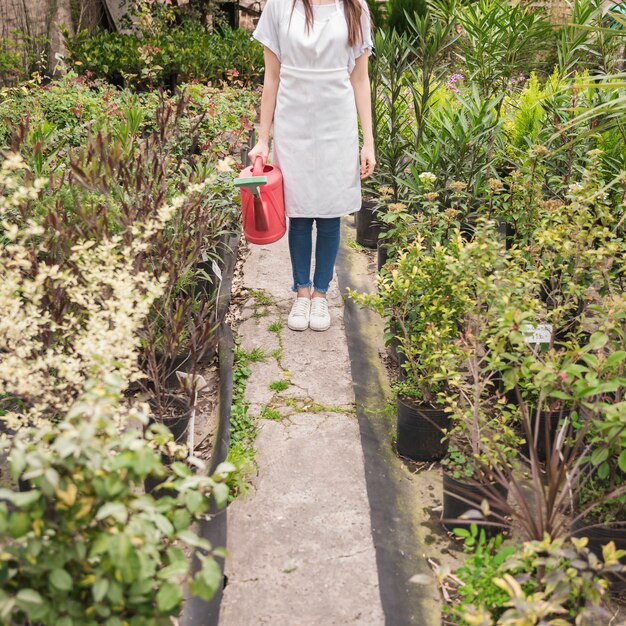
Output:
x=542 y=333
x=216 y=270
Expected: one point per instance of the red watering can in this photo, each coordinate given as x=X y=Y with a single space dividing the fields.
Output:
x=262 y=203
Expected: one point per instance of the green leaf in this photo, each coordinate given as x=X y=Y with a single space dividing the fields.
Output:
x=195 y=501
x=597 y=340
x=207 y=580
x=603 y=471
x=65 y=621
x=599 y=456
x=21 y=499
x=100 y=589
x=19 y=524
x=168 y=597
x=164 y=525
x=60 y=580
x=181 y=519
x=116 y=510
x=191 y=539
x=115 y=592
x=174 y=570
x=28 y=598
x=220 y=493
x=621 y=461
x=615 y=359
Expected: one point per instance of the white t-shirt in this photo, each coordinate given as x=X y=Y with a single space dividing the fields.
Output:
x=267 y=31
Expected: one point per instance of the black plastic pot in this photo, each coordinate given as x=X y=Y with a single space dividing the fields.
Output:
x=367 y=226
x=382 y=255
x=178 y=424
x=180 y=363
x=508 y=232
x=598 y=536
x=420 y=431
x=457 y=494
x=213 y=527
x=545 y=436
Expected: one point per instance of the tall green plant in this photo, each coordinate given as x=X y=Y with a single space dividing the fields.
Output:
x=501 y=42
x=391 y=114
x=432 y=40
x=460 y=142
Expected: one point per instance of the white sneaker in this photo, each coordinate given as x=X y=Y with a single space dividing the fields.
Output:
x=299 y=317
x=319 y=318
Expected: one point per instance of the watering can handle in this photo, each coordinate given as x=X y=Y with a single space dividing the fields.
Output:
x=259 y=165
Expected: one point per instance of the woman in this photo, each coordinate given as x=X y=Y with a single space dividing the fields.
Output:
x=316 y=82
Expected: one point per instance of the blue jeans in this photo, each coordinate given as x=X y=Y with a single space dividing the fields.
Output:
x=326 y=248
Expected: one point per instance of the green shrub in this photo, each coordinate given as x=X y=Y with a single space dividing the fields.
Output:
x=84 y=545
x=540 y=582
x=20 y=56
x=65 y=114
x=171 y=56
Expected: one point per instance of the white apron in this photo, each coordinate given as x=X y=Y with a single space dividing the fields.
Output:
x=316 y=143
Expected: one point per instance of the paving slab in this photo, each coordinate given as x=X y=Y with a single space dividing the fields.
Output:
x=300 y=545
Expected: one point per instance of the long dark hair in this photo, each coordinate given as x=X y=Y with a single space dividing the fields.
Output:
x=353 y=12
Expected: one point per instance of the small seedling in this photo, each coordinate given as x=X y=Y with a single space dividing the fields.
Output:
x=279 y=385
x=275 y=327
x=261 y=298
x=277 y=354
x=257 y=355
x=267 y=413
x=353 y=244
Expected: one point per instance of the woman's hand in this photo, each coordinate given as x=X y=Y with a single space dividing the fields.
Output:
x=368 y=161
x=261 y=149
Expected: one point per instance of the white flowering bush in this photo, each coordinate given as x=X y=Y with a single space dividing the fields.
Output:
x=69 y=319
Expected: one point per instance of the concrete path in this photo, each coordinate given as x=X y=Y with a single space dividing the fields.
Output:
x=300 y=545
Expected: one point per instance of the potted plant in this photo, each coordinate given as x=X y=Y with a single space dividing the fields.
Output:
x=600 y=389
x=424 y=312
x=103 y=548
x=580 y=474
x=424 y=213
x=539 y=581
x=482 y=438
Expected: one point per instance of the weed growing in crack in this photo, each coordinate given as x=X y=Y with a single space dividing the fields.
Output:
x=262 y=302
x=307 y=405
x=261 y=298
x=243 y=459
x=256 y=355
x=277 y=354
x=279 y=385
x=275 y=327
x=268 y=413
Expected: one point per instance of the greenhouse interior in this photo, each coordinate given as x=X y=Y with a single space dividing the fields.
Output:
x=312 y=312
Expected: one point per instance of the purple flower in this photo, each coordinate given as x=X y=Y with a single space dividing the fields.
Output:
x=453 y=80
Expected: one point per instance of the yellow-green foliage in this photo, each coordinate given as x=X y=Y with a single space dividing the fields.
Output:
x=528 y=114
